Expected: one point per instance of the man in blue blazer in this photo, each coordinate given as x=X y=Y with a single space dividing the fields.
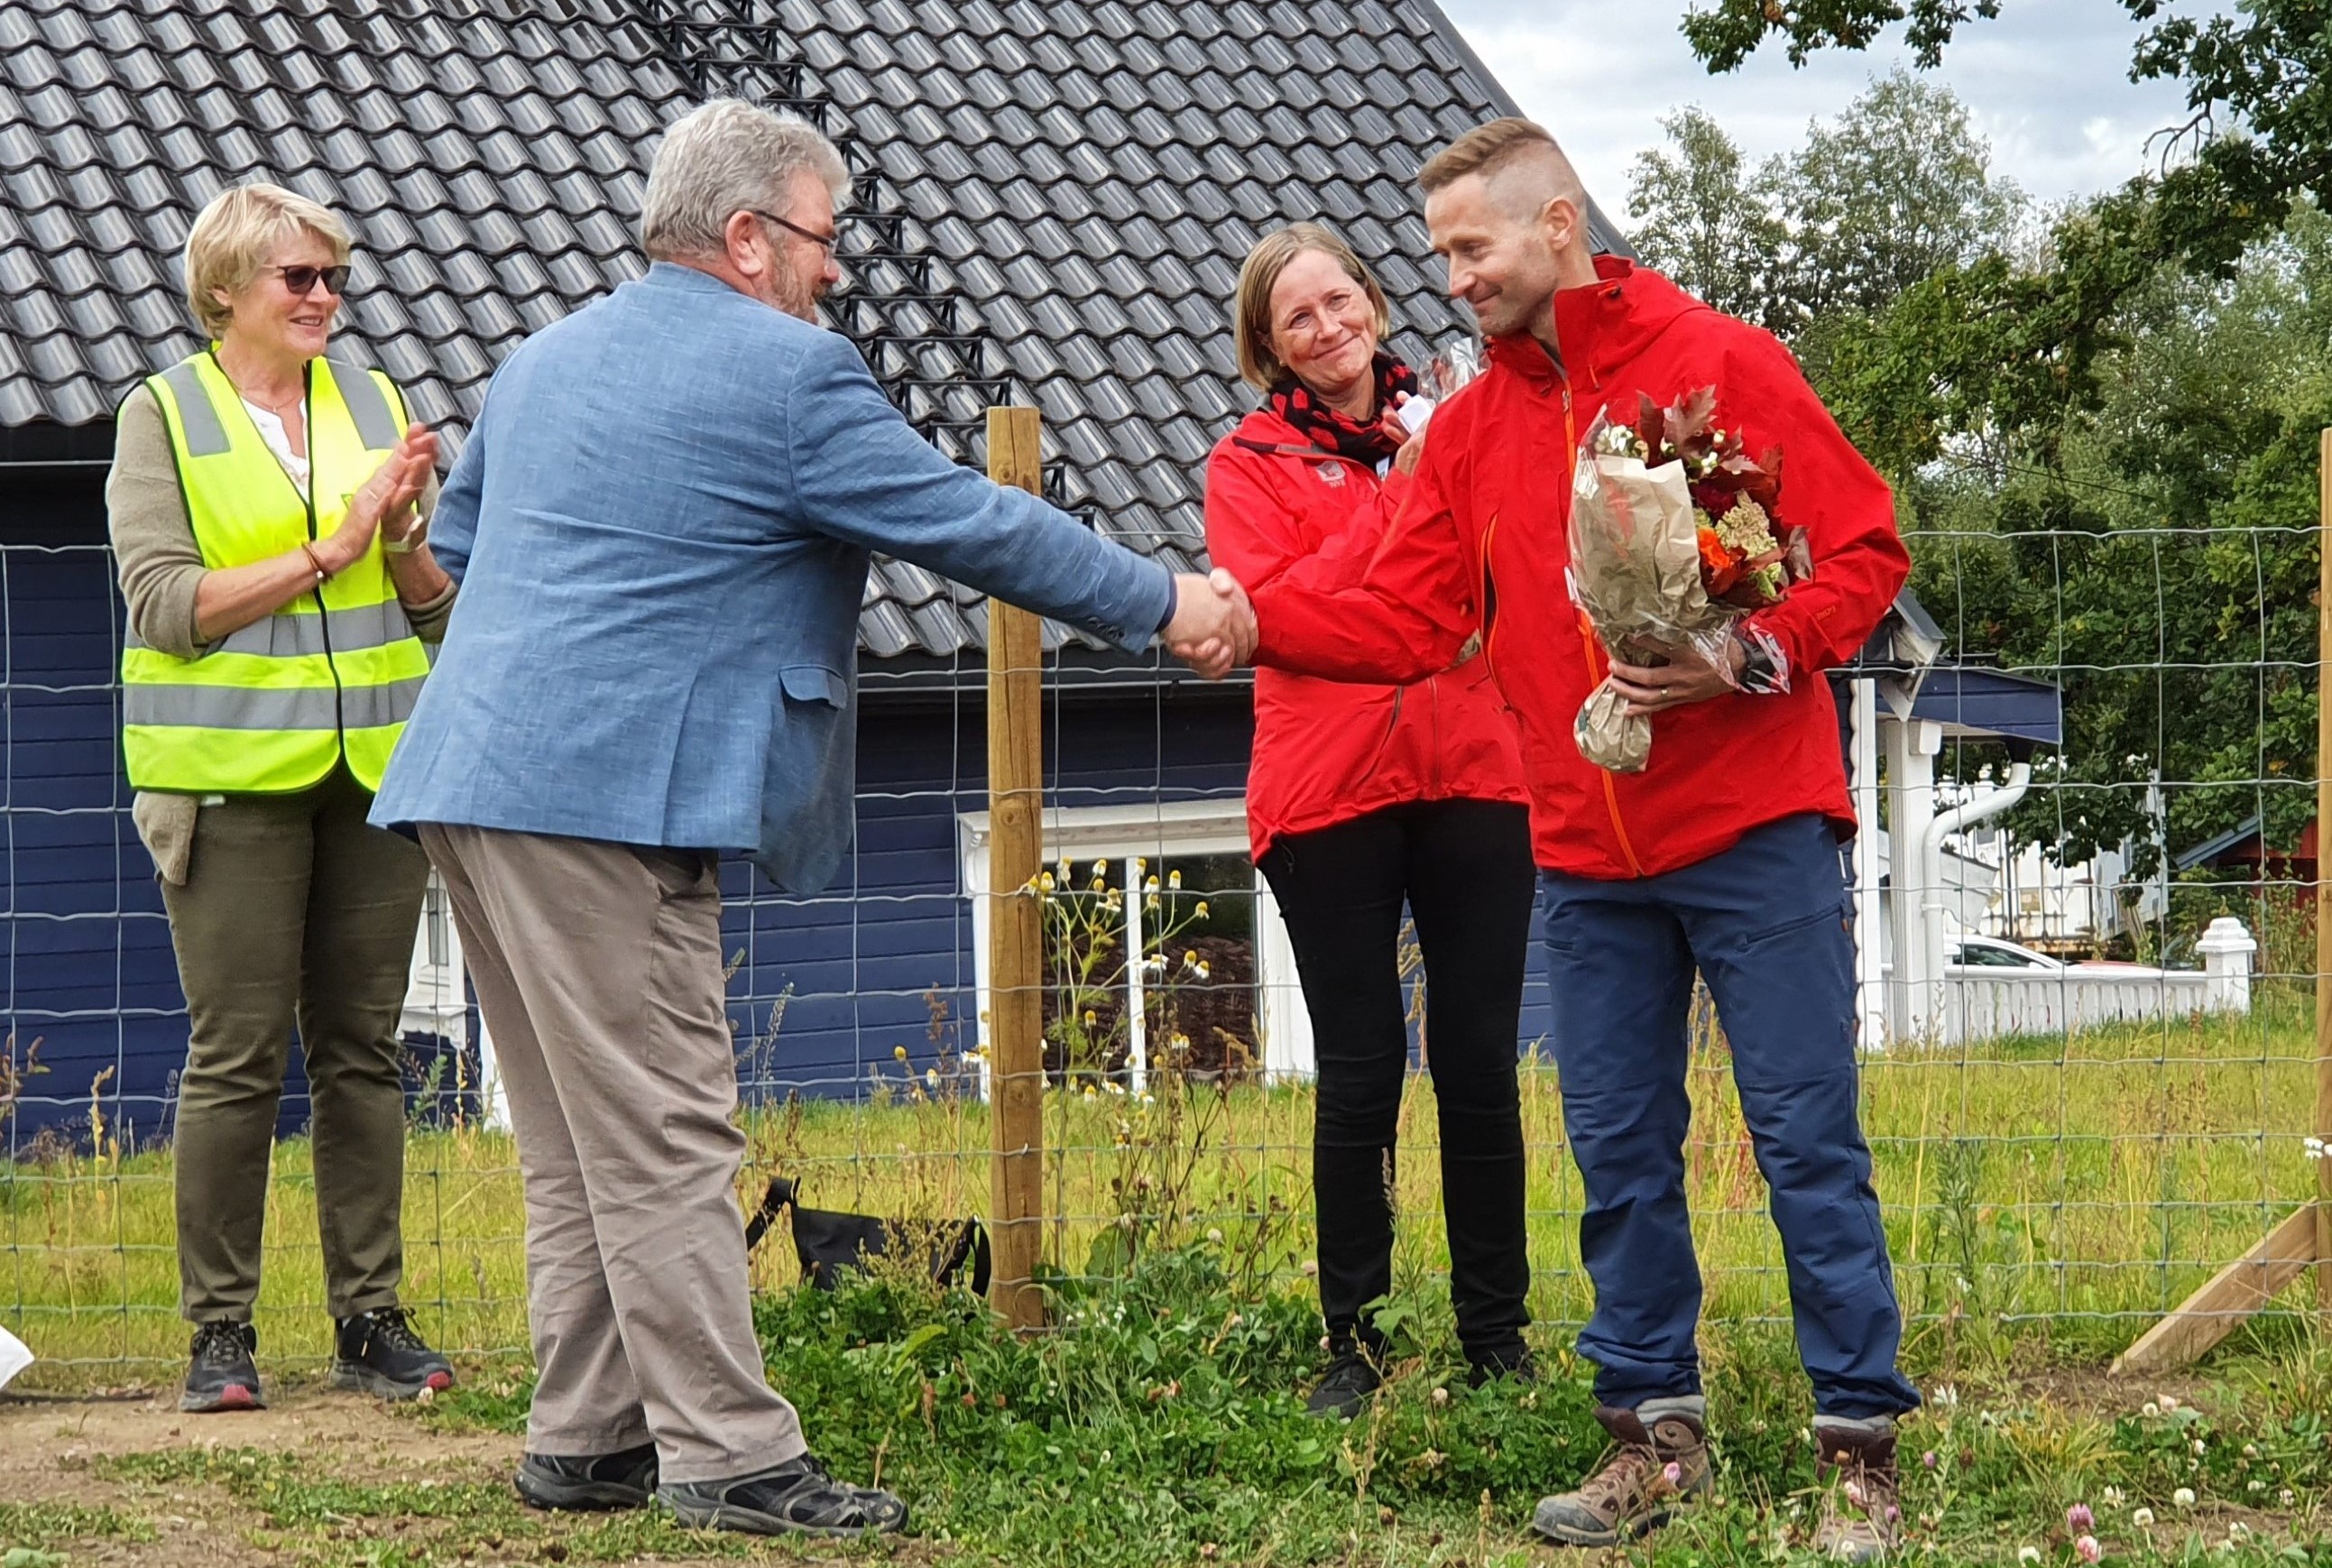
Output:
x=661 y=523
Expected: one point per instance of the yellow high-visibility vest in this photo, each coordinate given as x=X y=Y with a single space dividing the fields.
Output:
x=333 y=673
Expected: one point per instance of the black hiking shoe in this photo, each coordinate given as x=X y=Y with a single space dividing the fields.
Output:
x=624 y=1480
x=377 y=1353
x=1516 y=1366
x=796 y=1498
x=222 y=1376
x=1344 y=1392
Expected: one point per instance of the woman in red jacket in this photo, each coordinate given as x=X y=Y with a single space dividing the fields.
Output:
x=1363 y=798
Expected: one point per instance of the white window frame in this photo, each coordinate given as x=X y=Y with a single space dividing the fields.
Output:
x=1160 y=831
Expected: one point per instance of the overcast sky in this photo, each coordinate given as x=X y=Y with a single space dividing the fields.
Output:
x=2048 y=83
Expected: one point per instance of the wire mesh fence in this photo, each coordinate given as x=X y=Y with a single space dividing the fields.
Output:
x=2084 y=932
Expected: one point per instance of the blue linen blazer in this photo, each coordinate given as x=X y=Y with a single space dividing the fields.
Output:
x=661 y=523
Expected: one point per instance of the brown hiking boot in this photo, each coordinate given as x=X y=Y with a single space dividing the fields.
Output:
x=1862 y=1512
x=1663 y=1455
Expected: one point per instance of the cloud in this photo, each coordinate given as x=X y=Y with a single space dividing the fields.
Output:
x=2048 y=83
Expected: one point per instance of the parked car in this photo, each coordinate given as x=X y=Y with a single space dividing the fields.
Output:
x=1991 y=957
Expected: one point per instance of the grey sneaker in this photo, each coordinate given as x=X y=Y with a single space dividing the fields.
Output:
x=377 y=1353
x=796 y=1498
x=220 y=1375
x=1663 y=1457
x=1862 y=1510
x=624 y=1480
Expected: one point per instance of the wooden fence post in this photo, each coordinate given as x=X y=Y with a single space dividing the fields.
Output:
x=1016 y=855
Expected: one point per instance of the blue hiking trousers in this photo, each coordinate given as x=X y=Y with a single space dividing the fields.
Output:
x=1765 y=923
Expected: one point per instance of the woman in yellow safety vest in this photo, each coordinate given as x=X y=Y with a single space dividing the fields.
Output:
x=268 y=508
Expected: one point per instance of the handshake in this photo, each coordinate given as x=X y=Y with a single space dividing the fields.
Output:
x=1212 y=629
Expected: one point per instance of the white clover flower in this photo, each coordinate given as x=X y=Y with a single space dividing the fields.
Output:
x=2028 y=1554
x=1945 y=1395
x=2143 y=1518
x=2169 y=1401
x=2200 y=1448
x=2149 y=1408
x=2112 y=1496
x=2184 y=1497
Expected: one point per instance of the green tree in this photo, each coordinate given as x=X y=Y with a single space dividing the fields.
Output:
x=1899 y=187
x=1990 y=342
x=1707 y=221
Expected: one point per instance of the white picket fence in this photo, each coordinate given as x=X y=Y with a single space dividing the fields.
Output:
x=2082 y=997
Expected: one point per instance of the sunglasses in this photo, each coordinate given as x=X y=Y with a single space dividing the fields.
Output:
x=302 y=280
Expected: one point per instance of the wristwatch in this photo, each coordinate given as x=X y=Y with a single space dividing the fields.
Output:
x=1757 y=670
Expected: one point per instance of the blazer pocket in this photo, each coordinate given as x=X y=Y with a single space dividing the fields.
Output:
x=814 y=684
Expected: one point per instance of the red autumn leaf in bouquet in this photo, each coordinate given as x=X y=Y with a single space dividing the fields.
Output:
x=1747 y=562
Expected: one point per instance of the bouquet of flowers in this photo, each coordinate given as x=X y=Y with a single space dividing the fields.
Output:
x=1673 y=539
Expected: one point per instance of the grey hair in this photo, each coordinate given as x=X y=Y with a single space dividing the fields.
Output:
x=724 y=157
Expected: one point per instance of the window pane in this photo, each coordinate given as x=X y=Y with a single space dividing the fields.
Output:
x=1203 y=1010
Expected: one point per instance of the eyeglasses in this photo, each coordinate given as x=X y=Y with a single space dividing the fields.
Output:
x=301 y=280
x=824 y=242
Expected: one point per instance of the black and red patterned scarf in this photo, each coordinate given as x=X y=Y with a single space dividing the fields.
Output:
x=1323 y=427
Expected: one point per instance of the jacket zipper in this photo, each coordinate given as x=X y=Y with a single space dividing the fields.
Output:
x=1595 y=670
x=1595 y=674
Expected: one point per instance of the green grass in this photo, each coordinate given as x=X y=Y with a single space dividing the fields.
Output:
x=1161 y=1424
x=2070 y=1187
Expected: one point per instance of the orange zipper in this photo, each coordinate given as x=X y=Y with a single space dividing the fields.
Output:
x=1595 y=671
x=1595 y=674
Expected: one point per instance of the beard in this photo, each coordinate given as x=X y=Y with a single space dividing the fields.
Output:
x=794 y=294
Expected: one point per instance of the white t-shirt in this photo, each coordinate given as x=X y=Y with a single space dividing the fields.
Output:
x=279 y=442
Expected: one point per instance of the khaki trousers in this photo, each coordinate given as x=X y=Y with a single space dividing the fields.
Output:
x=598 y=970
x=295 y=910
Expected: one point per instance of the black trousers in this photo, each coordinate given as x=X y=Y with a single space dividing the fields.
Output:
x=1464 y=869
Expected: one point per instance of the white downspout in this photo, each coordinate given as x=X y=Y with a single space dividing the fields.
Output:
x=1990 y=803
x=1912 y=746
x=1870 y=942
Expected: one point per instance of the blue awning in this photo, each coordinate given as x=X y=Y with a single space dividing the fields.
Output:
x=1976 y=704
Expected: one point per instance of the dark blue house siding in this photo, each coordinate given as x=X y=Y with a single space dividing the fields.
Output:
x=89 y=971
x=870 y=958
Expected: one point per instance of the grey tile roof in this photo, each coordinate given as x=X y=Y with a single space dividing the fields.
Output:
x=1053 y=195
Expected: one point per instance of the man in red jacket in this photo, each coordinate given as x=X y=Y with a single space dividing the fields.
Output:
x=1723 y=855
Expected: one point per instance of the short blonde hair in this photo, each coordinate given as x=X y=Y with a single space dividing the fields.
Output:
x=1485 y=149
x=1259 y=274
x=236 y=234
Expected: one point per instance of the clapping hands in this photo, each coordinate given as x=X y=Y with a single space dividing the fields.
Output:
x=385 y=498
x=1213 y=628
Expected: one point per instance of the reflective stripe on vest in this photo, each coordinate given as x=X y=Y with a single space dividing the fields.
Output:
x=331 y=676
